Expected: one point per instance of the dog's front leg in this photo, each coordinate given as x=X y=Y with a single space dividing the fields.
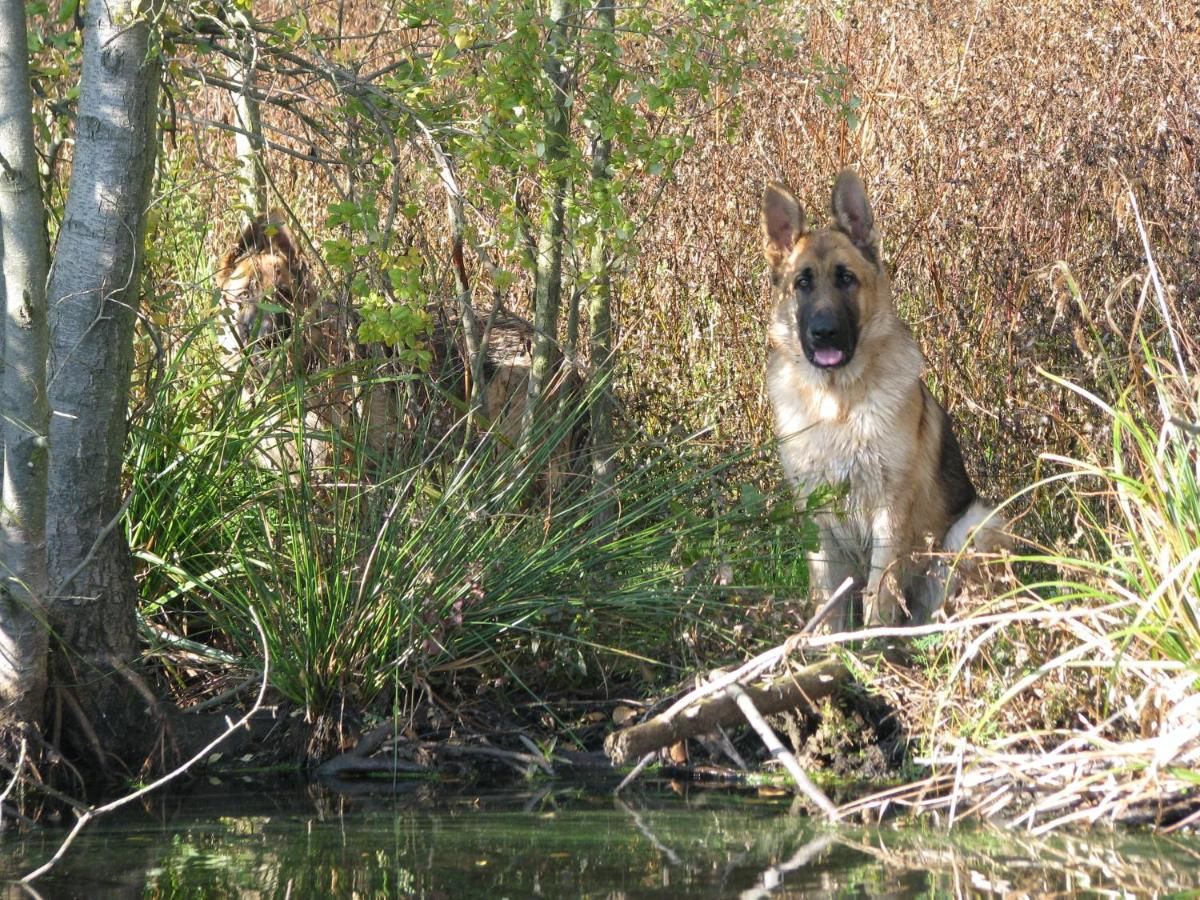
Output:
x=880 y=601
x=828 y=567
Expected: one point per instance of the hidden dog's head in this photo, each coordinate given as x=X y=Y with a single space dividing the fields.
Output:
x=829 y=283
x=263 y=282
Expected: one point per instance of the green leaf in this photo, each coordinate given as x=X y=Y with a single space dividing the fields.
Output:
x=68 y=11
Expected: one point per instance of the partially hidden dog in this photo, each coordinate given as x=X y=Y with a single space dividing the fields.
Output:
x=268 y=302
x=264 y=286
x=844 y=377
x=273 y=328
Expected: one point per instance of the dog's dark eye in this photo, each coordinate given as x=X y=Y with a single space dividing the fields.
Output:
x=844 y=277
x=804 y=280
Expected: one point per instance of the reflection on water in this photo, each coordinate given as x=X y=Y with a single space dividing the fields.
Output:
x=555 y=841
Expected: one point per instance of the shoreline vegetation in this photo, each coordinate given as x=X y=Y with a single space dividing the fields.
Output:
x=446 y=586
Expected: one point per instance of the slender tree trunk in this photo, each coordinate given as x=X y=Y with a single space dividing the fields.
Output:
x=94 y=294
x=548 y=279
x=472 y=332
x=25 y=412
x=248 y=140
x=601 y=349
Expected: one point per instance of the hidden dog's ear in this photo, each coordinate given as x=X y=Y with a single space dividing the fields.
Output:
x=225 y=267
x=277 y=236
x=250 y=240
x=783 y=224
x=267 y=233
x=853 y=216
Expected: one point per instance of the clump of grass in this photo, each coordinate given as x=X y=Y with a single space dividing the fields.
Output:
x=377 y=575
x=1145 y=519
x=1150 y=495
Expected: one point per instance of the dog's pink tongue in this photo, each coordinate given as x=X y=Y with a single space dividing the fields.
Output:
x=827 y=356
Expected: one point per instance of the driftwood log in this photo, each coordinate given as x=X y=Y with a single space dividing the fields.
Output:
x=795 y=689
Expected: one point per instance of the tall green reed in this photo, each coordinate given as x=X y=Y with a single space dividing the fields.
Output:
x=1135 y=492
x=381 y=570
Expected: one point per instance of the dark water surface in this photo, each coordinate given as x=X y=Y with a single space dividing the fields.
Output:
x=568 y=841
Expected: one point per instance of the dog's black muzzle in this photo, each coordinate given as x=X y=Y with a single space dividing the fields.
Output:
x=828 y=335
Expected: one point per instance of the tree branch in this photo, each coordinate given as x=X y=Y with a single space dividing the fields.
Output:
x=801 y=688
x=203 y=753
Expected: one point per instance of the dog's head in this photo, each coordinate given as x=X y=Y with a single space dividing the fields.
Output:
x=263 y=283
x=829 y=283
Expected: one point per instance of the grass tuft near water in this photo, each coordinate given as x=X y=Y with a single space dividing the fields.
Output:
x=377 y=574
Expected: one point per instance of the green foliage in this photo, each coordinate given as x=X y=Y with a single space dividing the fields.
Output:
x=55 y=54
x=484 y=94
x=1147 y=529
x=373 y=572
x=369 y=577
x=396 y=325
x=835 y=91
x=388 y=285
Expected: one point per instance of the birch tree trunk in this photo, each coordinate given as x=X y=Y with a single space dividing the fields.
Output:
x=248 y=140
x=24 y=412
x=94 y=296
x=548 y=280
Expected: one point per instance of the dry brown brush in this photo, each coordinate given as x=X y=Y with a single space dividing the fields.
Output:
x=1001 y=143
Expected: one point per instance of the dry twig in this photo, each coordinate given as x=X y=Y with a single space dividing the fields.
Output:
x=95 y=812
x=785 y=756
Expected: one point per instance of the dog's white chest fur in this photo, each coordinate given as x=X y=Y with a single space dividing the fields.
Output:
x=825 y=437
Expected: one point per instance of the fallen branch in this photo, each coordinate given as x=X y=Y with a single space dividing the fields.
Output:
x=522 y=762
x=785 y=756
x=754 y=667
x=703 y=710
x=360 y=761
x=347 y=764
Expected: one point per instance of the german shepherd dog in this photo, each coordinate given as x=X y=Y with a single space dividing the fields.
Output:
x=852 y=412
x=264 y=285
x=269 y=302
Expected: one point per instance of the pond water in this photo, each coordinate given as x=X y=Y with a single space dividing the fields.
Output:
x=430 y=841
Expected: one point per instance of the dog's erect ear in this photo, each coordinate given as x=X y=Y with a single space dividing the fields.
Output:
x=249 y=240
x=277 y=235
x=266 y=234
x=783 y=224
x=852 y=213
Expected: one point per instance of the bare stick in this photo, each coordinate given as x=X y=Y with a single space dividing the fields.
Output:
x=800 y=688
x=829 y=604
x=16 y=776
x=95 y=812
x=637 y=770
x=1160 y=293
x=911 y=631
x=782 y=753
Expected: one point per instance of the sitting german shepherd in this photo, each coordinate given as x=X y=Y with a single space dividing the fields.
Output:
x=851 y=411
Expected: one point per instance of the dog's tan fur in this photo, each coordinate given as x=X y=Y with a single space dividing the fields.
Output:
x=859 y=417
x=264 y=287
